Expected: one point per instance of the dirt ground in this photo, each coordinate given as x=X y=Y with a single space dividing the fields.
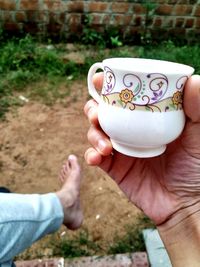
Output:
x=34 y=142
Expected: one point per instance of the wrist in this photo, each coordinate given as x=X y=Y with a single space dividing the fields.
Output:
x=181 y=236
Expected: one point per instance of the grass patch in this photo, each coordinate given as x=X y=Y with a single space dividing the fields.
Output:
x=132 y=240
x=168 y=51
x=81 y=243
x=25 y=61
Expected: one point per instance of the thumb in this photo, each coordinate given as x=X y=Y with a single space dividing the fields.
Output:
x=98 y=80
x=191 y=100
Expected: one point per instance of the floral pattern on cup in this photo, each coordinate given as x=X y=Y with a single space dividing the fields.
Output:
x=148 y=94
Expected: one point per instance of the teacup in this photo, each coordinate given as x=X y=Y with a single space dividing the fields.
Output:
x=140 y=105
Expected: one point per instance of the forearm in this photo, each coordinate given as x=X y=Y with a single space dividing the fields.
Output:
x=181 y=236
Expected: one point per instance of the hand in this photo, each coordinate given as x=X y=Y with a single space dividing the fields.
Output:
x=161 y=186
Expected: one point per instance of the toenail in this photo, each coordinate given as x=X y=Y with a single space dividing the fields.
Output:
x=72 y=157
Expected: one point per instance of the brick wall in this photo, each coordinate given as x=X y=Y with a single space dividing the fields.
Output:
x=166 y=18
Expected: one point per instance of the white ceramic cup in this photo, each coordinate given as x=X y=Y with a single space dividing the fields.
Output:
x=140 y=105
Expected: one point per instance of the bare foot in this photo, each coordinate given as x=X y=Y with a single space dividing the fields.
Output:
x=68 y=195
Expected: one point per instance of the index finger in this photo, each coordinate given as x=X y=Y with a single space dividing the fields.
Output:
x=90 y=110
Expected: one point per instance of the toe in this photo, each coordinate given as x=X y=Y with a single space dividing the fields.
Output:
x=74 y=166
x=73 y=162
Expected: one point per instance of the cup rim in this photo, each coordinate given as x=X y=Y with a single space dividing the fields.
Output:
x=146 y=65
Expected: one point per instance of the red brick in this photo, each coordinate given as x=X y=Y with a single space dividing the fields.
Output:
x=118 y=19
x=160 y=34
x=157 y=22
x=138 y=21
x=7 y=16
x=172 y=2
x=53 y=17
x=120 y=7
x=140 y=259
x=31 y=27
x=189 y=23
x=7 y=5
x=62 y=17
x=197 y=11
x=96 y=19
x=29 y=5
x=52 y=5
x=168 y=22
x=190 y=2
x=75 y=6
x=74 y=28
x=20 y=16
x=177 y=31
x=31 y=16
x=12 y=27
x=185 y=2
x=169 y=14
x=181 y=10
x=54 y=27
x=164 y=10
x=98 y=7
x=197 y=23
x=74 y=19
x=127 y=19
x=40 y=263
x=106 y=19
x=139 y=9
x=43 y=16
x=179 y=22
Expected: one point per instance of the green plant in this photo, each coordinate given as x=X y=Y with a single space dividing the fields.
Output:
x=150 y=8
x=115 y=42
x=25 y=62
x=112 y=37
x=132 y=240
x=81 y=245
x=109 y=38
x=169 y=51
x=4 y=106
x=90 y=36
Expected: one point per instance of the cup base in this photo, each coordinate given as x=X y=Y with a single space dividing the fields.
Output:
x=139 y=152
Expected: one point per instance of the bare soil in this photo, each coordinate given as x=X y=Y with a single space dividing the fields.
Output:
x=35 y=140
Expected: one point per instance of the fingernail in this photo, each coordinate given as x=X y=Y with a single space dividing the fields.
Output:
x=91 y=110
x=102 y=145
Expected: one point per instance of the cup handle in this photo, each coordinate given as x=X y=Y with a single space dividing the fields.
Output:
x=92 y=90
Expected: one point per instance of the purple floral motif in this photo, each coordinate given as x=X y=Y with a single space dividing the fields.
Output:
x=109 y=80
x=158 y=86
x=156 y=95
x=109 y=88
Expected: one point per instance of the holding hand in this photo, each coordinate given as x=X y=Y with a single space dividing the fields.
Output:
x=166 y=188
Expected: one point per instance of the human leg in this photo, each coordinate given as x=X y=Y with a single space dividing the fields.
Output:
x=26 y=218
x=4 y=189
